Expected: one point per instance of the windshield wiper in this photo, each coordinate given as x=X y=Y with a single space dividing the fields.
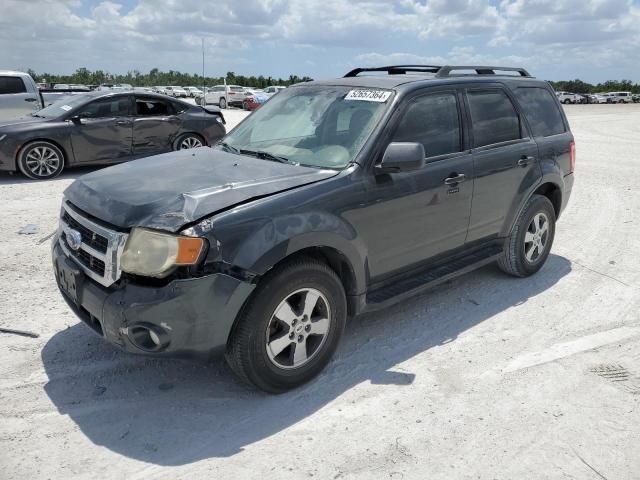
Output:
x=266 y=156
x=36 y=115
x=228 y=147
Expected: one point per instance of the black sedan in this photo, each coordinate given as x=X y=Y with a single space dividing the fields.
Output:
x=104 y=128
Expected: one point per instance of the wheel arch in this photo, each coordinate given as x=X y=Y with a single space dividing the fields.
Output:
x=339 y=254
x=26 y=143
x=553 y=192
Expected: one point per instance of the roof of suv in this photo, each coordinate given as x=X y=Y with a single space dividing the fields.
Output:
x=396 y=75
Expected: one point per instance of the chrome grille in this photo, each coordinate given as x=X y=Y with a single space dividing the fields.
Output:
x=100 y=250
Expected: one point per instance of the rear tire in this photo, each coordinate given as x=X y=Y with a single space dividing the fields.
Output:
x=277 y=343
x=527 y=248
x=40 y=160
x=187 y=141
x=223 y=103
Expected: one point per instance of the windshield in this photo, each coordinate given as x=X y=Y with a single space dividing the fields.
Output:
x=64 y=106
x=317 y=126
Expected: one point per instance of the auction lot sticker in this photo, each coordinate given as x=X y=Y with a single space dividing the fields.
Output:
x=380 y=96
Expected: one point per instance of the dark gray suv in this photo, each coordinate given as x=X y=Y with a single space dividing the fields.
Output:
x=335 y=198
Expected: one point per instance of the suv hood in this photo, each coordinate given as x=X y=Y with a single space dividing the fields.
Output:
x=171 y=190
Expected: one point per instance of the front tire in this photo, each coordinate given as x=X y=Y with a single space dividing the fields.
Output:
x=41 y=160
x=290 y=328
x=527 y=248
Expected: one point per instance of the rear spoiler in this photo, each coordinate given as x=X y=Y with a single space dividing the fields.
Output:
x=214 y=111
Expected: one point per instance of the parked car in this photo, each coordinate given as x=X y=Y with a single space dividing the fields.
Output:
x=193 y=91
x=604 y=98
x=158 y=89
x=255 y=101
x=636 y=99
x=19 y=95
x=176 y=92
x=335 y=198
x=103 y=128
x=223 y=96
x=568 y=97
x=271 y=91
x=621 y=97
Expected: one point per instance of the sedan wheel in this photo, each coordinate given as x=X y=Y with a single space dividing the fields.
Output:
x=189 y=141
x=223 y=103
x=41 y=161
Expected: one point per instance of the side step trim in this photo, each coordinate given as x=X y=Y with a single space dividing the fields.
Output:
x=426 y=279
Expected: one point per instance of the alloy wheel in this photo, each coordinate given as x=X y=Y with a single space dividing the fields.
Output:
x=298 y=328
x=42 y=161
x=190 y=142
x=536 y=237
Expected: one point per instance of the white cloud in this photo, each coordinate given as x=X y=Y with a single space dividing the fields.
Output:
x=53 y=35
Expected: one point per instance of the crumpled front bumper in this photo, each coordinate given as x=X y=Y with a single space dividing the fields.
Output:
x=191 y=317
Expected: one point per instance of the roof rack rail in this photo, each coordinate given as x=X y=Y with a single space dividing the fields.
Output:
x=395 y=69
x=439 y=71
x=480 y=70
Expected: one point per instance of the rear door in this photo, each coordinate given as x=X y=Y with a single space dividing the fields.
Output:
x=15 y=99
x=155 y=125
x=104 y=131
x=505 y=161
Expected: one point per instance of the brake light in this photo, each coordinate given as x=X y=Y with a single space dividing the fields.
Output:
x=572 y=157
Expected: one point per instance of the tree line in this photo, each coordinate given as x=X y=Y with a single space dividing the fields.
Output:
x=154 y=77
x=84 y=76
x=578 y=86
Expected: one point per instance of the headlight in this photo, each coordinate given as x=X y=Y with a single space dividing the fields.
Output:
x=155 y=254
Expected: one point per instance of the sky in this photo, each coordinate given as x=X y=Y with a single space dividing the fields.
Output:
x=594 y=40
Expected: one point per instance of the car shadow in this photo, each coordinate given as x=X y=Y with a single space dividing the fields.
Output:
x=7 y=178
x=173 y=412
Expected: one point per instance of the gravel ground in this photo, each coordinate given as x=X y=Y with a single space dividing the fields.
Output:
x=484 y=377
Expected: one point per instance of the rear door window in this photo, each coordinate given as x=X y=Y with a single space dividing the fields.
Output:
x=9 y=85
x=541 y=110
x=153 y=107
x=493 y=116
x=434 y=121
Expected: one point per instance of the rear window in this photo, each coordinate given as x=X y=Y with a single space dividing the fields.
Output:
x=541 y=111
x=11 y=85
x=494 y=118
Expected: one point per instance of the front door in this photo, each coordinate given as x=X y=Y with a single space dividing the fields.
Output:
x=155 y=126
x=413 y=217
x=505 y=160
x=103 y=130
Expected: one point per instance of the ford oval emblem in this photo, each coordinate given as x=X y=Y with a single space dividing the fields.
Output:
x=74 y=239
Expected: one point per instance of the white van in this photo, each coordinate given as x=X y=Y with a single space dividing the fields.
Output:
x=621 y=97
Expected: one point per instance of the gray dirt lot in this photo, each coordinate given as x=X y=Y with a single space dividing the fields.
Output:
x=485 y=377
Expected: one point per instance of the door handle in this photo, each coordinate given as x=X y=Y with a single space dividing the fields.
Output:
x=525 y=160
x=123 y=122
x=30 y=99
x=454 y=179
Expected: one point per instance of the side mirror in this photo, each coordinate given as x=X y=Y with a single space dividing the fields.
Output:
x=77 y=119
x=402 y=157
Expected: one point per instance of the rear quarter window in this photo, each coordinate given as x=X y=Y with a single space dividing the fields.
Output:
x=10 y=85
x=541 y=110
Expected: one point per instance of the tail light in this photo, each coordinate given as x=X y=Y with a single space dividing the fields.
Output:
x=572 y=157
